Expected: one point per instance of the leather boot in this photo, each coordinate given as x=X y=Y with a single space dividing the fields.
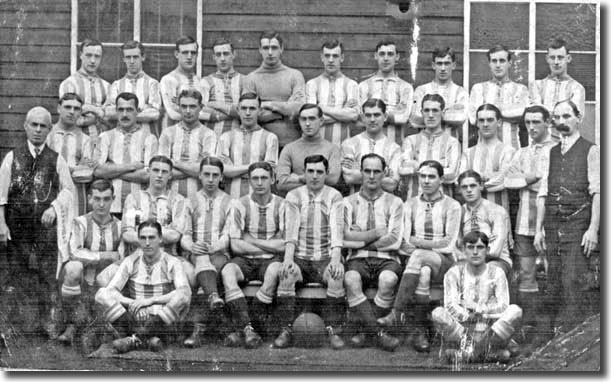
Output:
x=196 y=337
x=284 y=338
x=252 y=340
x=387 y=342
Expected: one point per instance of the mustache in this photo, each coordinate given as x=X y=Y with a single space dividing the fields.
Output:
x=562 y=127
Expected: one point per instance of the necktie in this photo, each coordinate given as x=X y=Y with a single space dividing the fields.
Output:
x=371 y=219
x=428 y=221
x=36 y=152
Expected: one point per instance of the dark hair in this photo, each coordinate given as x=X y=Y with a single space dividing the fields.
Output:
x=307 y=106
x=249 y=95
x=162 y=159
x=572 y=105
x=374 y=102
x=435 y=98
x=434 y=164
x=222 y=41
x=271 y=34
x=386 y=42
x=442 y=52
x=101 y=185
x=473 y=237
x=374 y=156
x=264 y=165
x=133 y=44
x=184 y=40
x=90 y=42
x=537 y=109
x=317 y=158
x=211 y=161
x=470 y=174
x=330 y=44
x=557 y=43
x=489 y=106
x=150 y=223
x=499 y=48
x=191 y=93
x=127 y=96
x=70 y=97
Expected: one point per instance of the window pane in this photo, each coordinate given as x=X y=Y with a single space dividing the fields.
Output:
x=159 y=61
x=480 y=71
x=106 y=20
x=582 y=68
x=575 y=23
x=165 y=21
x=493 y=23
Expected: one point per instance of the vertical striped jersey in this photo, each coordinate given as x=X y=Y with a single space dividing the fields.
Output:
x=92 y=89
x=245 y=146
x=209 y=218
x=315 y=222
x=454 y=96
x=224 y=88
x=170 y=87
x=180 y=143
x=338 y=92
x=491 y=219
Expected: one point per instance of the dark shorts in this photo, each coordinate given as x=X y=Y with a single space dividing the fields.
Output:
x=503 y=265
x=371 y=268
x=253 y=269
x=446 y=264
x=523 y=246
x=312 y=271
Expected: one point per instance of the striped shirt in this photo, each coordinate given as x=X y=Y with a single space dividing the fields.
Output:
x=168 y=209
x=180 y=143
x=356 y=147
x=386 y=210
x=224 y=88
x=491 y=219
x=491 y=162
x=503 y=95
x=533 y=159
x=397 y=94
x=550 y=90
x=440 y=146
x=92 y=89
x=263 y=222
x=452 y=94
x=145 y=87
x=338 y=92
x=316 y=222
x=155 y=280
x=170 y=87
x=240 y=146
x=209 y=218
x=432 y=224
x=120 y=147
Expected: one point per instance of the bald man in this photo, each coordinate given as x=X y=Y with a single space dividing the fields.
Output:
x=35 y=189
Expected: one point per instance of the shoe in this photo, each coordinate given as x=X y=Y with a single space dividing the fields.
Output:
x=251 y=339
x=420 y=342
x=154 y=344
x=284 y=338
x=68 y=335
x=392 y=319
x=234 y=339
x=358 y=341
x=215 y=301
x=514 y=348
x=335 y=340
x=195 y=339
x=500 y=355
x=90 y=341
x=126 y=344
x=457 y=356
x=387 y=342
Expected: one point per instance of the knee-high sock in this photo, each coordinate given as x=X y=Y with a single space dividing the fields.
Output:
x=238 y=308
x=207 y=280
x=334 y=311
x=285 y=311
x=407 y=287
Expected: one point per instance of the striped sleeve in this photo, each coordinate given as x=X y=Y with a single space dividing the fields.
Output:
x=150 y=148
x=293 y=215
x=392 y=240
x=237 y=221
x=452 y=294
x=78 y=251
x=453 y=158
x=311 y=91
x=130 y=211
x=406 y=100
x=271 y=149
x=452 y=226
x=501 y=292
x=179 y=213
x=336 y=220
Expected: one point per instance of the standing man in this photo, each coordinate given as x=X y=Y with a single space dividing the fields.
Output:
x=124 y=151
x=222 y=89
x=372 y=140
x=281 y=89
x=528 y=167
x=145 y=87
x=456 y=98
x=92 y=89
x=257 y=243
x=291 y=173
x=187 y=143
x=386 y=85
x=509 y=96
x=336 y=94
x=558 y=85
x=74 y=146
x=431 y=143
x=568 y=218
x=33 y=182
x=249 y=143
x=431 y=228
x=314 y=239
x=374 y=221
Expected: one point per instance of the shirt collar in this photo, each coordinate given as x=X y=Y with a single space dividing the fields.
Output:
x=375 y=197
x=136 y=77
x=88 y=76
x=230 y=74
x=432 y=135
x=108 y=223
x=249 y=131
x=475 y=208
x=131 y=131
x=438 y=197
x=190 y=129
x=271 y=199
x=164 y=195
x=568 y=142
x=501 y=82
x=334 y=76
x=565 y=77
x=31 y=147
x=378 y=77
x=57 y=129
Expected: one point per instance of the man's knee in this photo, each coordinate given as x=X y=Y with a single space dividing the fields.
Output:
x=230 y=275
x=352 y=279
x=272 y=273
x=73 y=271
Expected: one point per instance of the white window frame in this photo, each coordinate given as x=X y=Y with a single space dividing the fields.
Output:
x=136 y=33
x=531 y=48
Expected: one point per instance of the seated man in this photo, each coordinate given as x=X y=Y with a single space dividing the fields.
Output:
x=476 y=312
x=95 y=242
x=431 y=228
x=373 y=229
x=313 y=250
x=257 y=242
x=157 y=293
